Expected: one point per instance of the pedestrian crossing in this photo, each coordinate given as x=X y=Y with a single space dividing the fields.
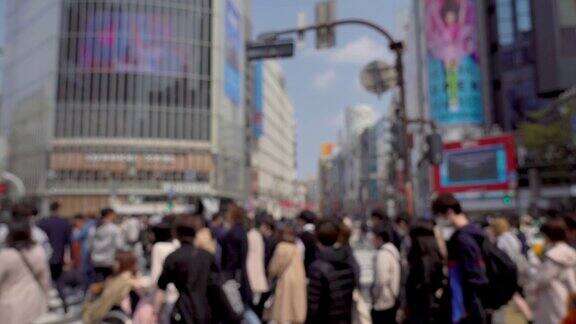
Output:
x=56 y=313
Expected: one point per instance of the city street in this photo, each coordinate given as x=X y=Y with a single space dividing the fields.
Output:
x=217 y=161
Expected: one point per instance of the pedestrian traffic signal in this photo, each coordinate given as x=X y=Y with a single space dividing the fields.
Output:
x=507 y=200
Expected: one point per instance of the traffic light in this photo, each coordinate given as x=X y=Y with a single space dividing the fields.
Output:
x=507 y=199
x=435 y=147
x=325 y=16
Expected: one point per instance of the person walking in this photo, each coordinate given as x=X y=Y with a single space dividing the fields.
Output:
x=59 y=232
x=164 y=245
x=331 y=279
x=24 y=276
x=235 y=251
x=426 y=280
x=288 y=304
x=255 y=264
x=467 y=275
x=344 y=242
x=115 y=291
x=386 y=287
x=306 y=220
x=203 y=238
x=86 y=226
x=105 y=240
x=195 y=275
x=38 y=235
x=555 y=278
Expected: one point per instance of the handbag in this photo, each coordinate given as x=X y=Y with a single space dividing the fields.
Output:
x=231 y=288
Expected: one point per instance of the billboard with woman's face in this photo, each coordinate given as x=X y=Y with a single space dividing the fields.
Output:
x=454 y=73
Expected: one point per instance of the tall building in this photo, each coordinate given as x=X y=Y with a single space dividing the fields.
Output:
x=125 y=98
x=273 y=158
x=510 y=28
x=357 y=118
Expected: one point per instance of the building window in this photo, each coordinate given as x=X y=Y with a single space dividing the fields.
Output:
x=505 y=17
x=137 y=69
x=523 y=16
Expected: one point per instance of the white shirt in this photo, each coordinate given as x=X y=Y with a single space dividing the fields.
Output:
x=386 y=277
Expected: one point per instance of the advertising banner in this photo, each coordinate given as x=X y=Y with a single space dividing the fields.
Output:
x=258 y=99
x=326 y=149
x=131 y=42
x=485 y=164
x=232 y=49
x=454 y=74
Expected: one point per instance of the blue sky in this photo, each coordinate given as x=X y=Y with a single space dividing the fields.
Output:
x=323 y=83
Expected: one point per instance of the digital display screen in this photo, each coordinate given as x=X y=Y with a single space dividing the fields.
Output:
x=233 y=48
x=484 y=165
x=131 y=42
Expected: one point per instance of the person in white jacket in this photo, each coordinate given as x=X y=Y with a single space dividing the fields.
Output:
x=386 y=286
x=555 y=278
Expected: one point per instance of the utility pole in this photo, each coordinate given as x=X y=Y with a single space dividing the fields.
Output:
x=398 y=48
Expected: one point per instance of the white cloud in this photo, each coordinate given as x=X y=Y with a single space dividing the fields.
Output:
x=324 y=79
x=359 y=51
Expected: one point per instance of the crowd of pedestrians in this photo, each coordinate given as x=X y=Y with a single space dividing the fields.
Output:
x=232 y=267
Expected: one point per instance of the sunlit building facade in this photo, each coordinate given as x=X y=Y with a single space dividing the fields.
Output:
x=130 y=99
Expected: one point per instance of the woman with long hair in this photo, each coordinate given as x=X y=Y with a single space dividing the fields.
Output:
x=288 y=304
x=24 y=276
x=115 y=291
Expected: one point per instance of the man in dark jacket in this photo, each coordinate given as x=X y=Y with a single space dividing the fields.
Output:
x=467 y=274
x=331 y=279
x=306 y=220
x=235 y=251
x=196 y=277
x=59 y=232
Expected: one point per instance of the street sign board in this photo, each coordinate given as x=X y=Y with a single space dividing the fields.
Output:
x=270 y=49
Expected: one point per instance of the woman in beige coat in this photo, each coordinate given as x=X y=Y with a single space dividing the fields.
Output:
x=23 y=288
x=555 y=278
x=287 y=269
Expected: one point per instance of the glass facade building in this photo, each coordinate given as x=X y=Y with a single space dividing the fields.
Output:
x=138 y=69
x=512 y=61
x=125 y=98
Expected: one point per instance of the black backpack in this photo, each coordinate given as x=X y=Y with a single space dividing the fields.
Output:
x=502 y=276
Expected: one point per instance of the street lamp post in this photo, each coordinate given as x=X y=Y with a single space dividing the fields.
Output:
x=398 y=48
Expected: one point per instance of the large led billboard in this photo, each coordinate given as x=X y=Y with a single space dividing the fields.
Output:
x=131 y=42
x=484 y=164
x=454 y=73
x=232 y=49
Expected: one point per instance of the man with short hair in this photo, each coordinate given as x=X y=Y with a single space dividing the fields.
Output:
x=306 y=220
x=465 y=262
x=194 y=273
x=104 y=241
x=331 y=279
x=59 y=233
